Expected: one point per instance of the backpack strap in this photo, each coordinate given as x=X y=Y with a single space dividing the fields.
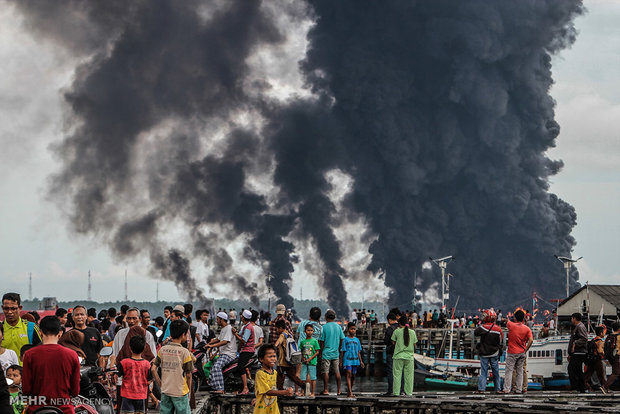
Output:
x=30 y=330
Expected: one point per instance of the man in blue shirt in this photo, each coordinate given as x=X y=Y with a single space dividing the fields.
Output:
x=330 y=342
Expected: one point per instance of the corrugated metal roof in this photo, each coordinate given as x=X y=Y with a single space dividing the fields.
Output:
x=610 y=293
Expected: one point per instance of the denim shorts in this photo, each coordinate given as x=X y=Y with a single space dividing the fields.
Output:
x=308 y=369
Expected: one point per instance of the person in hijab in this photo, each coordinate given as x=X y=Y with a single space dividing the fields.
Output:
x=125 y=351
x=73 y=340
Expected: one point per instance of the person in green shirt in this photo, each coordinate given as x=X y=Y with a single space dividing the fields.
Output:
x=404 y=340
x=309 y=351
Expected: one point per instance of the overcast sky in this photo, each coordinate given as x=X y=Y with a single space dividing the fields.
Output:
x=33 y=236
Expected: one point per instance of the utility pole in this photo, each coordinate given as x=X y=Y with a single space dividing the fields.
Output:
x=89 y=288
x=567 y=262
x=157 y=293
x=269 y=277
x=445 y=285
x=30 y=286
x=125 y=285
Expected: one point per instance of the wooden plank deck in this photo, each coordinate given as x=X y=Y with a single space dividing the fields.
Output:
x=424 y=402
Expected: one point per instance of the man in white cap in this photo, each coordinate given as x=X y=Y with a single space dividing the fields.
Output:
x=246 y=344
x=228 y=352
x=273 y=334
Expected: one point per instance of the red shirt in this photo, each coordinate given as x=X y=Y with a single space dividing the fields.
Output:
x=51 y=371
x=135 y=382
x=518 y=335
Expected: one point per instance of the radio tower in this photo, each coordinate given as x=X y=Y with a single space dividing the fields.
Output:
x=125 y=284
x=30 y=286
x=89 y=288
x=157 y=293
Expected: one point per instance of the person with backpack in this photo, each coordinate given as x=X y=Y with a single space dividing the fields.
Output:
x=594 y=358
x=612 y=354
x=489 y=349
x=577 y=353
x=17 y=331
x=288 y=357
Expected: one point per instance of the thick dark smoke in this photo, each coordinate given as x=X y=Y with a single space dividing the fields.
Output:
x=439 y=111
x=446 y=119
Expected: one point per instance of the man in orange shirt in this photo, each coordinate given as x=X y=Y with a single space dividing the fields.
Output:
x=519 y=341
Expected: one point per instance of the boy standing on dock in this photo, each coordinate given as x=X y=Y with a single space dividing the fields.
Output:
x=351 y=357
x=519 y=341
x=330 y=342
x=266 y=380
x=309 y=348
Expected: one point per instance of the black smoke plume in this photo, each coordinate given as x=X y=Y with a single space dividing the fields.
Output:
x=446 y=118
x=439 y=111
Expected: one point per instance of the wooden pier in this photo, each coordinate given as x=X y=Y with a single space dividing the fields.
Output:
x=422 y=402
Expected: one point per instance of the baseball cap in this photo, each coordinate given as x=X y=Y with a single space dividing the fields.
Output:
x=280 y=309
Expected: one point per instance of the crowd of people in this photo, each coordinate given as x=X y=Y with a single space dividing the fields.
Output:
x=42 y=358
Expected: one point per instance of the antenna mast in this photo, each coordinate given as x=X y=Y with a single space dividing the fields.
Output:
x=30 y=286
x=89 y=288
x=157 y=293
x=125 y=284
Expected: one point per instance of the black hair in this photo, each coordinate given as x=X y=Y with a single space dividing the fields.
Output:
x=168 y=308
x=188 y=308
x=60 y=312
x=143 y=311
x=519 y=315
x=315 y=313
x=112 y=312
x=35 y=315
x=105 y=324
x=600 y=330
x=350 y=325
x=255 y=314
x=177 y=313
x=24 y=349
x=124 y=308
x=159 y=320
x=395 y=311
x=119 y=319
x=263 y=350
x=577 y=316
x=118 y=328
x=281 y=323
x=102 y=314
x=16 y=367
x=392 y=316
x=13 y=297
x=50 y=325
x=2 y=328
x=137 y=343
x=330 y=315
x=199 y=313
x=92 y=312
x=308 y=326
x=615 y=326
x=178 y=328
x=403 y=322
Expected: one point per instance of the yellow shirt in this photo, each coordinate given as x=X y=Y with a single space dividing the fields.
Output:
x=265 y=381
x=17 y=336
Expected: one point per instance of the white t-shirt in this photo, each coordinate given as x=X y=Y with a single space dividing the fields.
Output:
x=230 y=348
x=202 y=330
x=258 y=334
x=8 y=358
x=353 y=316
